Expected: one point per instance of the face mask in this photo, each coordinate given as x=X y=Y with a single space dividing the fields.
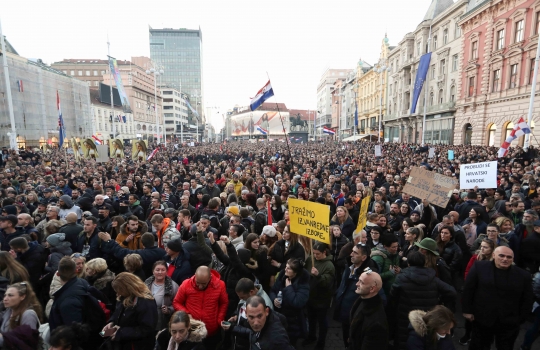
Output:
x=440 y=336
x=101 y=216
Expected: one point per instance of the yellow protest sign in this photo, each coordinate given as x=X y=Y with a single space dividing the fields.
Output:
x=310 y=219
x=362 y=218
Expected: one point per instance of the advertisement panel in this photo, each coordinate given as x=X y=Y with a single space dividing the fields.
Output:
x=258 y=122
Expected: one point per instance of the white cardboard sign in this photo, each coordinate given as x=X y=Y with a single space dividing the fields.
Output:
x=483 y=175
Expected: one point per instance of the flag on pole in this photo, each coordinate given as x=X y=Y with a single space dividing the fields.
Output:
x=520 y=129
x=97 y=141
x=119 y=118
x=355 y=114
x=124 y=118
x=20 y=85
x=61 y=125
x=269 y=212
x=328 y=131
x=261 y=130
x=421 y=75
x=262 y=95
x=152 y=154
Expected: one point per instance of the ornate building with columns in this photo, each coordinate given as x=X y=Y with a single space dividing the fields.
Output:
x=402 y=124
x=497 y=60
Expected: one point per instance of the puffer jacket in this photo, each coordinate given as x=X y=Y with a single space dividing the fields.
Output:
x=321 y=287
x=295 y=298
x=451 y=255
x=135 y=243
x=384 y=260
x=415 y=288
x=169 y=233
x=420 y=337
x=209 y=305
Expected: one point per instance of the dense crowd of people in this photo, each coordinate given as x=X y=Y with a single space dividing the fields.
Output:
x=193 y=249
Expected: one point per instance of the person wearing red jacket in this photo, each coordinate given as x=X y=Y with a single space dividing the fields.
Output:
x=204 y=297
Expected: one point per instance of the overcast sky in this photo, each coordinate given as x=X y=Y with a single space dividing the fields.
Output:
x=294 y=41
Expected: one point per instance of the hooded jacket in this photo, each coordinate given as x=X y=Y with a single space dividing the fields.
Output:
x=34 y=261
x=421 y=338
x=415 y=288
x=384 y=260
x=167 y=233
x=208 y=305
x=57 y=253
x=70 y=208
x=136 y=242
x=197 y=333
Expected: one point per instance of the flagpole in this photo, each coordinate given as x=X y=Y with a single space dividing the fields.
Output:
x=13 y=135
x=111 y=86
x=533 y=91
x=281 y=118
x=425 y=82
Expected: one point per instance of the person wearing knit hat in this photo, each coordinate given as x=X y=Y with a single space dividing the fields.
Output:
x=10 y=210
x=175 y=245
x=59 y=248
x=177 y=259
x=233 y=210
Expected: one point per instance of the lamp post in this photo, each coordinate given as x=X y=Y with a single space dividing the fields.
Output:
x=381 y=69
x=155 y=71
x=196 y=97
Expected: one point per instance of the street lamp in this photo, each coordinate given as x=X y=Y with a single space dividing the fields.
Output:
x=380 y=70
x=196 y=97
x=156 y=72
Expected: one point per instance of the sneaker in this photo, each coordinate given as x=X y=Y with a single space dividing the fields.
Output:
x=309 y=341
x=464 y=340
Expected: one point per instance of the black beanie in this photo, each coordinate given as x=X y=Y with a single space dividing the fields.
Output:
x=175 y=245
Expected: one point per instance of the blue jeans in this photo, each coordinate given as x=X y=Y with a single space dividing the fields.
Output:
x=532 y=332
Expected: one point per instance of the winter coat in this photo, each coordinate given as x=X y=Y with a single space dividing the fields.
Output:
x=337 y=244
x=136 y=324
x=103 y=282
x=72 y=233
x=421 y=338
x=70 y=208
x=197 y=333
x=369 y=327
x=182 y=267
x=451 y=255
x=170 y=290
x=94 y=242
x=346 y=295
x=168 y=233
x=149 y=255
x=33 y=260
x=415 y=288
x=295 y=298
x=135 y=243
x=501 y=241
x=69 y=297
x=347 y=228
x=509 y=306
x=529 y=254
x=209 y=305
x=272 y=336
x=281 y=255
x=384 y=260
x=261 y=220
x=57 y=253
x=321 y=287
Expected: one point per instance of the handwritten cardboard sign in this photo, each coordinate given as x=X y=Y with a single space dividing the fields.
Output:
x=310 y=219
x=434 y=187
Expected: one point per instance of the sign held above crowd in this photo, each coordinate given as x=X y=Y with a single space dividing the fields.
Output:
x=310 y=219
x=429 y=185
x=483 y=175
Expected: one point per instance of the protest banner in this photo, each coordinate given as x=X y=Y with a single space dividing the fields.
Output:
x=362 y=217
x=378 y=151
x=310 y=219
x=450 y=154
x=429 y=185
x=431 y=153
x=483 y=175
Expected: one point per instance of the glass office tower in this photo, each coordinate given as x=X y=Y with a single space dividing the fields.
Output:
x=179 y=51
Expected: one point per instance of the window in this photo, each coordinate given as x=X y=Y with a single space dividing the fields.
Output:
x=471 y=86
x=452 y=93
x=373 y=122
x=96 y=83
x=432 y=71
x=431 y=98
x=518 y=36
x=537 y=25
x=491 y=134
x=419 y=48
x=445 y=37
x=102 y=72
x=500 y=39
x=474 y=50
x=442 y=67
x=95 y=73
x=72 y=73
x=513 y=76
x=441 y=96
x=435 y=42
x=496 y=79
x=80 y=73
x=454 y=63
x=531 y=73
x=87 y=73
x=457 y=31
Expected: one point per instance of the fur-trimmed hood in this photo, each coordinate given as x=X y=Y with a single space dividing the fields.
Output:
x=197 y=331
x=417 y=323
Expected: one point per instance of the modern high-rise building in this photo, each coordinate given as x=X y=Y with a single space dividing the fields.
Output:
x=179 y=53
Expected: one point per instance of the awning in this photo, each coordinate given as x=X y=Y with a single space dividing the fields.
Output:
x=369 y=137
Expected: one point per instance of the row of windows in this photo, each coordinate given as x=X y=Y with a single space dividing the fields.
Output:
x=87 y=73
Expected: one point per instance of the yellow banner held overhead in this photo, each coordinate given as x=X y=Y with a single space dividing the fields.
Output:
x=310 y=219
x=362 y=218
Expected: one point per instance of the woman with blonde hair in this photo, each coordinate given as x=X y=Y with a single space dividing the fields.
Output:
x=100 y=277
x=80 y=262
x=506 y=226
x=135 y=317
x=344 y=221
x=133 y=263
x=11 y=269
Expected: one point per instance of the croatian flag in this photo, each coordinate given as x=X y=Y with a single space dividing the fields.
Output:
x=97 y=141
x=520 y=129
x=328 y=131
x=262 y=95
x=261 y=130
x=119 y=118
x=61 y=125
x=20 y=85
x=152 y=155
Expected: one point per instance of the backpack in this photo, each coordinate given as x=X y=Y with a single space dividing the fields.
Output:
x=95 y=313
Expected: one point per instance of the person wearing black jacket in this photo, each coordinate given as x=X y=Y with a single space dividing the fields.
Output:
x=177 y=260
x=498 y=297
x=88 y=242
x=135 y=207
x=197 y=246
x=286 y=248
x=32 y=256
x=71 y=229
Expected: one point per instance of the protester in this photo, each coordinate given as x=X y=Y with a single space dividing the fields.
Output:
x=431 y=329
x=182 y=333
x=163 y=289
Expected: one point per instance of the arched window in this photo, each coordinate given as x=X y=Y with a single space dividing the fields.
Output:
x=452 y=93
x=441 y=96
x=491 y=134
x=508 y=129
x=431 y=97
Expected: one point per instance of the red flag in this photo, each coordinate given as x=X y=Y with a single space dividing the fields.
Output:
x=221 y=148
x=269 y=208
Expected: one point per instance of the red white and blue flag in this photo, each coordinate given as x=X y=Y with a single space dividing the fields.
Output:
x=261 y=130
x=20 y=85
x=61 y=125
x=520 y=129
x=97 y=141
x=262 y=95
x=152 y=155
x=328 y=131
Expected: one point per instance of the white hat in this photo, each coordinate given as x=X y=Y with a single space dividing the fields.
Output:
x=269 y=230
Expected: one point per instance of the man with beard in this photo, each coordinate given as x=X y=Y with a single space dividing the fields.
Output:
x=131 y=232
x=75 y=195
x=67 y=206
x=394 y=217
x=392 y=194
x=387 y=260
x=135 y=206
x=520 y=234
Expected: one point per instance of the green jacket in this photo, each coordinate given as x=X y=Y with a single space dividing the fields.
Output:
x=321 y=287
x=384 y=260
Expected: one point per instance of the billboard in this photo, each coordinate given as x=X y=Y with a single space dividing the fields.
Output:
x=257 y=122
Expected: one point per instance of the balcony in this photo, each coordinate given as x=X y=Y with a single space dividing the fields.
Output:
x=442 y=107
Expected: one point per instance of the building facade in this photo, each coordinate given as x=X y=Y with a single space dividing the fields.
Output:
x=105 y=119
x=402 y=124
x=326 y=99
x=180 y=53
x=33 y=86
x=498 y=52
x=175 y=113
